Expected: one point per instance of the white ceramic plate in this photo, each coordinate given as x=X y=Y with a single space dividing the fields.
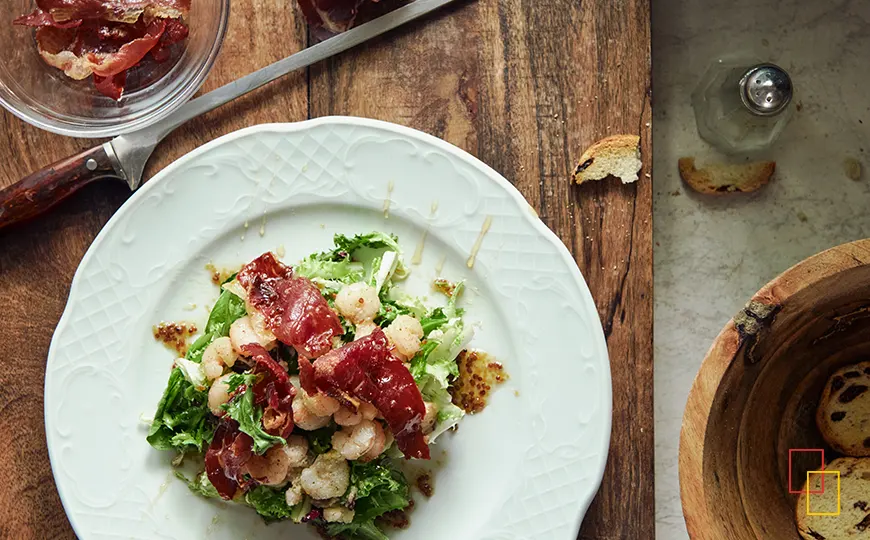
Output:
x=525 y=468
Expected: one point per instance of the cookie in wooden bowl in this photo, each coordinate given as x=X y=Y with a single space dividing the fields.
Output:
x=843 y=415
x=823 y=522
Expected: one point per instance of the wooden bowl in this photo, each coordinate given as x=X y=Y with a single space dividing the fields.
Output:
x=756 y=394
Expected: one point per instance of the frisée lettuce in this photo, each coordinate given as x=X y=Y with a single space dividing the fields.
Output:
x=435 y=365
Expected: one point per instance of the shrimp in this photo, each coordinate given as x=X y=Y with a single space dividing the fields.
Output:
x=304 y=418
x=328 y=477
x=367 y=438
x=364 y=329
x=319 y=404
x=297 y=451
x=293 y=495
x=378 y=445
x=242 y=332
x=218 y=394
x=368 y=411
x=405 y=334
x=218 y=354
x=358 y=302
x=430 y=418
x=346 y=417
x=271 y=468
x=338 y=514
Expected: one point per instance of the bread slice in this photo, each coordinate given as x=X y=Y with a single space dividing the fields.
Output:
x=617 y=155
x=722 y=178
x=843 y=415
x=853 y=522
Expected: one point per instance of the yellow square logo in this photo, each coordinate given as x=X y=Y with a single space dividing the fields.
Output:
x=827 y=498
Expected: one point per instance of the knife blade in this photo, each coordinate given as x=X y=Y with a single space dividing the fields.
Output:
x=125 y=156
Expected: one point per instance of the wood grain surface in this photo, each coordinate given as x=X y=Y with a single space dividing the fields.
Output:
x=523 y=85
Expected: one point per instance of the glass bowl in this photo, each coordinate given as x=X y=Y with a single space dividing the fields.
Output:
x=46 y=98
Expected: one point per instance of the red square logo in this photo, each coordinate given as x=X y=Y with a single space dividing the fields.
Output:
x=802 y=475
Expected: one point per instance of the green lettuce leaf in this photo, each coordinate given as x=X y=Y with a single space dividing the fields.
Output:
x=200 y=485
x=404 y=303
x=325 y=267
x=242 y=409
x=194 y=352
x=433 y=321
x=374 y=240
x=226 y=310
x=375 y=257
x=434 y=367
x=269 y=503
x=389 y=311
x=182 y=420
x=320 y=440
x=380 y=488
x=301 y=510
x=356 y=531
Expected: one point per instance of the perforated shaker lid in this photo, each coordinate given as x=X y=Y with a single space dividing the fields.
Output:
x=766 y=89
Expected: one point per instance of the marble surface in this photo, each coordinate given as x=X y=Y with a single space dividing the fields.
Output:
x=712 y=254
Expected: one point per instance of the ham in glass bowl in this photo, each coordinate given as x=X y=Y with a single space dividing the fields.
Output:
x=99 y=68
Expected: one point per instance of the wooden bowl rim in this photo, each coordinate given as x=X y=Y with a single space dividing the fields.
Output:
x=722 y=353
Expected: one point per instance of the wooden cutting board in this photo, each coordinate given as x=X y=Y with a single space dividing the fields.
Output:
x=523 y=85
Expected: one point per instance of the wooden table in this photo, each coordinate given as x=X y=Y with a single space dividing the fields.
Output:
x=523 y=85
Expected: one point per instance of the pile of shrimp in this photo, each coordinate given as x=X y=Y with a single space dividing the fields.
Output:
x=361 y=435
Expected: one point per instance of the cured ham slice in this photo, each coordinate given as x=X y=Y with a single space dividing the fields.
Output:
x=112 y=87
x=294 y=309
x=176 y=32
x=272 y=391
x=41 y=18
x=81 y=52
x=126 y=11
x=334 y=15
x=106 y=38
x=366 y=369
x=229 y=451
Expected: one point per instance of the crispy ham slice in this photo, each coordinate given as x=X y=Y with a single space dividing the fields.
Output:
x=79 y=56
x=40 y=18
x=125 y=11
x=293 y=307
x=365 y=369
x=272 y=391
x=106 y=38
x=229 y=451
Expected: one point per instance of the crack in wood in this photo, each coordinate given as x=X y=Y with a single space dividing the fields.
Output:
x=616 y=302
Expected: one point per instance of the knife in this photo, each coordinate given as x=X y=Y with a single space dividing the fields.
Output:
x=124 y=157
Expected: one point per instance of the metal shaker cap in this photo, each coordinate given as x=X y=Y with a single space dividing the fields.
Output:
x=765 y=89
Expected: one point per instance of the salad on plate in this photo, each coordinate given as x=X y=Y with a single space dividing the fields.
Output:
x=311 y=384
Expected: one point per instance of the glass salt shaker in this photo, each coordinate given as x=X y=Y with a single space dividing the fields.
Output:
x=741 y=107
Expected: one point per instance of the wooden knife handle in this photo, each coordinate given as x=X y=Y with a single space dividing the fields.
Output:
x=40 y=191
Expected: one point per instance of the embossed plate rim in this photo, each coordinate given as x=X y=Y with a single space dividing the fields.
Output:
x=598 y=449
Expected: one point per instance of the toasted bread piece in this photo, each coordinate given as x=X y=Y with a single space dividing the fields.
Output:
x=617 y=155
x=843 y=415
x=853 y=520
x=722 y=178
